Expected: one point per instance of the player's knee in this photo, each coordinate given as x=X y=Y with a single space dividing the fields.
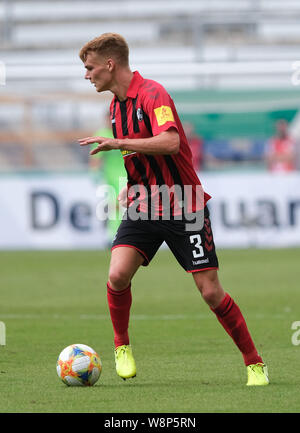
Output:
x=210 y=288
x=118 y=279
x=210 y=294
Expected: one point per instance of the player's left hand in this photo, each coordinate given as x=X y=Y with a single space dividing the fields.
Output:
x=104 y=143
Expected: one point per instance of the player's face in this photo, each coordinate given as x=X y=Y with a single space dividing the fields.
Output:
x=98 y=71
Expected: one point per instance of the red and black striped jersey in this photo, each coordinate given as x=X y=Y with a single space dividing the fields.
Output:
x=147 y=111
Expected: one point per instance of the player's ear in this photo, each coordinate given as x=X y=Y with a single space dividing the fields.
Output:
x=110 y=65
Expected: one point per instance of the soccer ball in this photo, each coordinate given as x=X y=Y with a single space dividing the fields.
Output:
x=79 y=365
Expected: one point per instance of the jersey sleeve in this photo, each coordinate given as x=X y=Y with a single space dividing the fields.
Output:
x=159 y=107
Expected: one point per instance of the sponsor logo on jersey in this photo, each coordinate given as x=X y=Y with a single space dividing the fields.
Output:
x=127 y=152
x=163 y=115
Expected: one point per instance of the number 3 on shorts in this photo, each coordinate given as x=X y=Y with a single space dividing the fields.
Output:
x=196 y=241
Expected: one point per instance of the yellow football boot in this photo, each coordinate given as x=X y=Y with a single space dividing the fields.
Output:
x=125 y=363
x=257 y=374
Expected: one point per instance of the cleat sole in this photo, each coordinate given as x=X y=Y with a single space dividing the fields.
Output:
x=126 y=378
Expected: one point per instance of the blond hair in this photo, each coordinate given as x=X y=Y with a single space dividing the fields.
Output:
x=107 y=45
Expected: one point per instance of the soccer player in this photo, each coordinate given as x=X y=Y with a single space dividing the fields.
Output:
x=157 y=158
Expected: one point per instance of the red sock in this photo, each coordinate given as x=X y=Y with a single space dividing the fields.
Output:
x=119 y=303
x=232 y=320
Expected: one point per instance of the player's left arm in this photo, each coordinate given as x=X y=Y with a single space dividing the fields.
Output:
x=165 y=143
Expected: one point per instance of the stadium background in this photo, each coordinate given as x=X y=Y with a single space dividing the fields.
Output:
x=231 y=68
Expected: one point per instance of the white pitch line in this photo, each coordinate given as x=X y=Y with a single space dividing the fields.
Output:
x=102 y=316
x=137 y=317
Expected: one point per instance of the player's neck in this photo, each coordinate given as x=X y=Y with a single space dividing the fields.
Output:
x=121 y=83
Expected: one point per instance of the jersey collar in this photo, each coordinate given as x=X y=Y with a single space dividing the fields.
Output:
x=134 y=85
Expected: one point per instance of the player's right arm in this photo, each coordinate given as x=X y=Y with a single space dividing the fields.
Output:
x=165 y=143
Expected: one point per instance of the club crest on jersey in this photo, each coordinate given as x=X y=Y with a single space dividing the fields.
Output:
x=139 y=114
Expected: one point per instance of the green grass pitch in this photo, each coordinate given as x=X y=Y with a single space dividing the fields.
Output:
x=185 y=361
